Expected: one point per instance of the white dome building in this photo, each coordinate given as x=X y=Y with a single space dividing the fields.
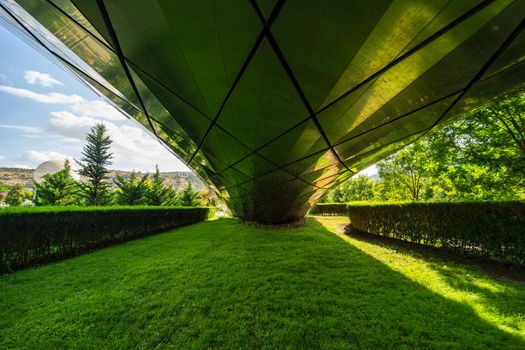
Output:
x=51 y=167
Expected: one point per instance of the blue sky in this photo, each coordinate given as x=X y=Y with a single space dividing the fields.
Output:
x=45 y=113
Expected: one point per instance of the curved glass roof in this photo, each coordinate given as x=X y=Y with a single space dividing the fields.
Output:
x=274 y=102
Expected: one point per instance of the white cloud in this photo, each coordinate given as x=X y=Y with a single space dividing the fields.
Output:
x=34 y=158
x=20 y=166
x=53 y=97
x=34 y=77
x=70 y=125
x=132 y=147
x=2 y=158
x=24 y=128
x=97 y=109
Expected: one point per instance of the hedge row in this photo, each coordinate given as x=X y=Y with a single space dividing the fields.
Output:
x=491 y=229
x=30 y=236
x=329 y=209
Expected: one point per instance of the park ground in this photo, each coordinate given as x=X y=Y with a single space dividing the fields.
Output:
x=228 y=284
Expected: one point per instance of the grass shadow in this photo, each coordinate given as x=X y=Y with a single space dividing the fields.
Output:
x=225 y=284
x=496 y=291
x=494 y=269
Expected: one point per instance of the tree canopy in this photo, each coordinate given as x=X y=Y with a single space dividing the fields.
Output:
x=478 y=157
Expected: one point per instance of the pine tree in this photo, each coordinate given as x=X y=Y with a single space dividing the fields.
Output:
x=93 y=165
x=189 y=197
x=58 y=188
x=160 y=193
x=133 y=190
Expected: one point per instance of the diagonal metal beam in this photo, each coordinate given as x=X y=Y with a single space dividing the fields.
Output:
x=284 y=63
x=424 y=43
x=386 y=145
x=251 y=54
x=128 y=60
x=122 y=59
x=259 y=148
x=499 y=51
x=29 y=30
x=110 y=48
x=402 y=116
x=412 y=51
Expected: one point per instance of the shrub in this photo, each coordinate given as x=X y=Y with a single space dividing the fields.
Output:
x=16 y=195
x=491 y=229
x=31 y=236
x=329 y=209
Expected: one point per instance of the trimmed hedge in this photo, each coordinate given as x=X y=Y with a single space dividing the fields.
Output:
x=491 y=229
x=329 y=209
x=30 y=236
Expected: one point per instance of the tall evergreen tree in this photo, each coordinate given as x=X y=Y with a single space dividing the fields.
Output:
x=159 y=193
x=133 y=190
x=93 y=165
x=189 y=197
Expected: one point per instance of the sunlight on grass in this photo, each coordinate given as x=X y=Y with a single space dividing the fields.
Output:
x=492 y=300
x=232 y=285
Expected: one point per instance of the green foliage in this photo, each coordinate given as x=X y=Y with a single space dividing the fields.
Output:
x=329 y=209
x=360 y=188
x=4 y=187
x=492 y=229
x=481 y=156
x=3 y=191
x=133 y=190
x=36 y=235
x=188 y=197
x=58 y=188
x=16 y=195
x=208 y=198
x=159 y=193
x=407 y=169
x=478 y=157
x=226 y=285
x=93 y=165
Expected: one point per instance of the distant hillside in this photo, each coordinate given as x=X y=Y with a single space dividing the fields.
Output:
x=177 y=179
x=11 y=176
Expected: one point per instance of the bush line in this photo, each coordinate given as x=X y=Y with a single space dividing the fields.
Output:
x=31 y=236
x=329 y=209
x=494 y=230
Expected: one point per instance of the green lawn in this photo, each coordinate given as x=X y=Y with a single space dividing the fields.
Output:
x=225 y=284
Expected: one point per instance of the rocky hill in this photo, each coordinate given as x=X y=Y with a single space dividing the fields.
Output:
x=177 y=179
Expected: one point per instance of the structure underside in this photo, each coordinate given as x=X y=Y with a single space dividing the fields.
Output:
x=272 y=103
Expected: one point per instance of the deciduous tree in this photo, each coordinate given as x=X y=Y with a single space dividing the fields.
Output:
x=16 y=195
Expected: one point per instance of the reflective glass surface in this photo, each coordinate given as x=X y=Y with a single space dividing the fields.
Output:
x=274 y=102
